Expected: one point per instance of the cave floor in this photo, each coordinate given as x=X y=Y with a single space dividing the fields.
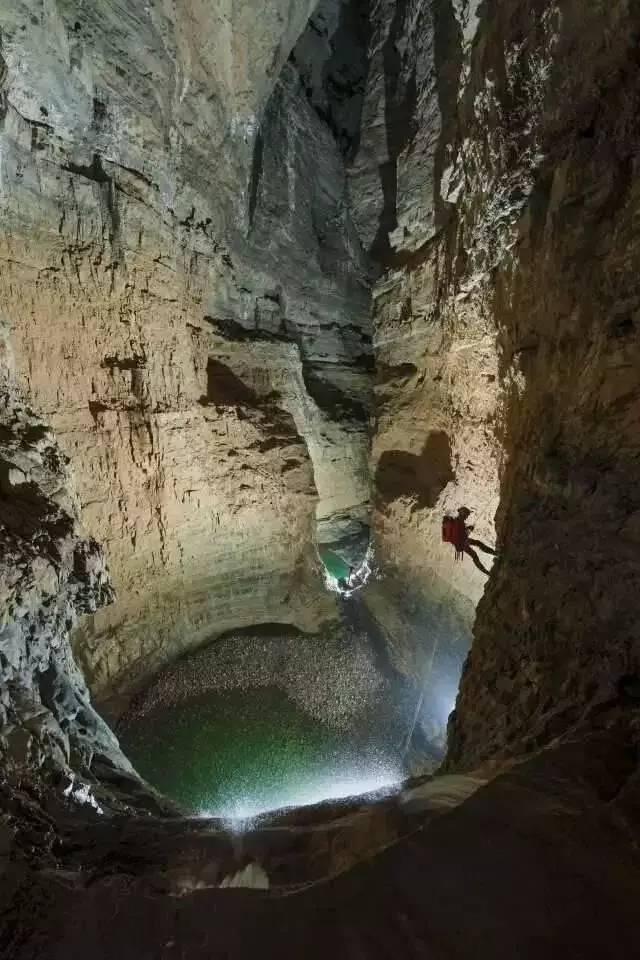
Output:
x=243 y=752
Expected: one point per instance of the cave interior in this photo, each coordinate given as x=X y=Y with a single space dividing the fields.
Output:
x=282 y=287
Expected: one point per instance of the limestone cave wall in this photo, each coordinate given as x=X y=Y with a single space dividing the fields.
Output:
x=558 y=116
x=168 y=282
x=507 y=352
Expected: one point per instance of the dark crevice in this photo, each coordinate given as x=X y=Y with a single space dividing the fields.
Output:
x=338 y=97
x=95 y=171
x=235 y=332
x=225 y=388
x=401 y=127
x=135 y=362
x=256 y=173
x=334 y=402
x=3 y=80
x=97 y=174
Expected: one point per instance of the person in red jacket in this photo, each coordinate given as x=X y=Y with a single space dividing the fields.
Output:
x=456 y=530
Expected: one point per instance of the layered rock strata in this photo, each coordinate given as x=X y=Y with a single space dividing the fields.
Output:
x=204 y=364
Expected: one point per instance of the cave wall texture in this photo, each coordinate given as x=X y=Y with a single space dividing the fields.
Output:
x=202 y=352
x=50 y=574
x=557 y=626
x=263 y=277
x=505 y=337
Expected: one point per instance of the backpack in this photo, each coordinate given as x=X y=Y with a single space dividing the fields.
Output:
x=454 y=532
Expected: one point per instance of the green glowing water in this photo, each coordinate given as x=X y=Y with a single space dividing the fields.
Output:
x=224 y=750
x=334 y=564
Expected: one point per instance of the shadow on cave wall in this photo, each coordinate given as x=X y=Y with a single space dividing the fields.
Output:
x=421 y=476
x=224 y=387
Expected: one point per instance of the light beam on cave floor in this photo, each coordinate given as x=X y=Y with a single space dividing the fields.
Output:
x=246 y=752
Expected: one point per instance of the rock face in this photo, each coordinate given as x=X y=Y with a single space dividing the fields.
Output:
x=435 y=446
x=554 y=633
x=208 y=366
x=536 y=864
x=506 y=347
x=50 y=574
x=204 y=364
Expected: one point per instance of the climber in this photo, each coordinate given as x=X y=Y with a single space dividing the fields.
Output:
x=455 y=530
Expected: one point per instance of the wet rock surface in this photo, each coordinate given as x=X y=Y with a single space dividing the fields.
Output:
x=276 y=654
x=367 y=704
